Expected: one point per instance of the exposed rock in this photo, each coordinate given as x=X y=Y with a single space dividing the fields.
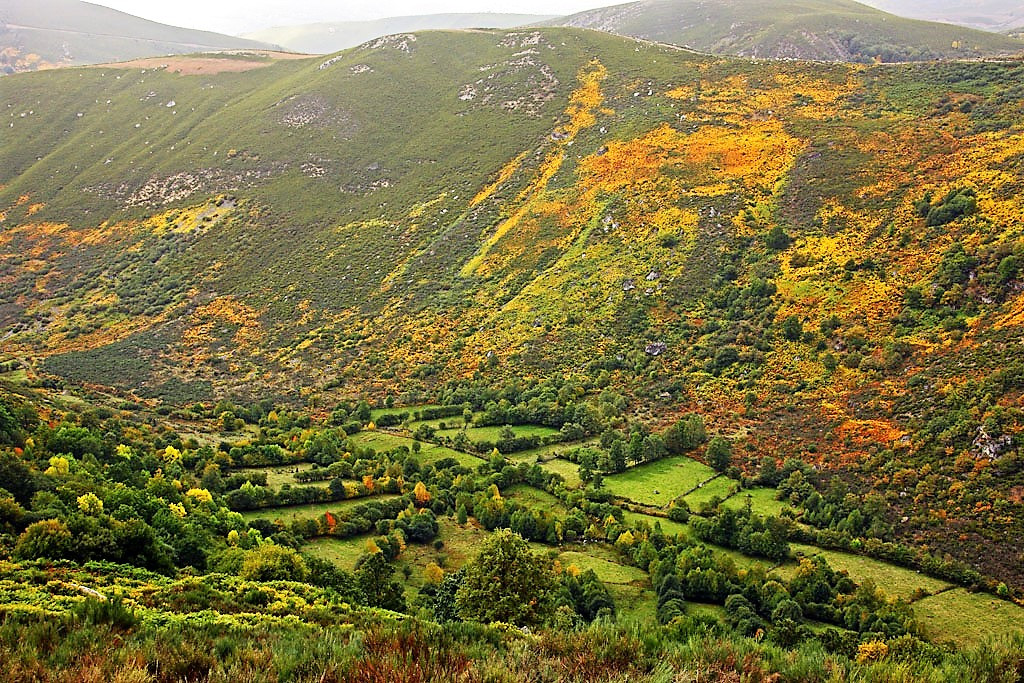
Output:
x=990 y=447
x=656 y=348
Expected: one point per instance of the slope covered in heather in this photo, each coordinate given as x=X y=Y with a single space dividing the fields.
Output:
x=823 y=260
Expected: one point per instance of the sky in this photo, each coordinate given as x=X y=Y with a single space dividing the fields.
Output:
x=241 y=16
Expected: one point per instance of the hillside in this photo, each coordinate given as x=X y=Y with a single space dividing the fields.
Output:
x=827 y=30
x=988 y=15
x=823 y=260
x=323 y=38
x=45 y=33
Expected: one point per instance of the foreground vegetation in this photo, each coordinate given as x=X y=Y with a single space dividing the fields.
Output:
x=125 y=561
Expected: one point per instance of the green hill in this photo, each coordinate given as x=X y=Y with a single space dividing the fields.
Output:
x=322 y=38
x=824 y=260
x=828 y=30
x=46 y=33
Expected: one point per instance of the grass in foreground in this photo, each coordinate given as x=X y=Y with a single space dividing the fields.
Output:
x=967 y=618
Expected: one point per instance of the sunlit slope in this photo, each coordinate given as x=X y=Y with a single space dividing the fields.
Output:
x=840 y=30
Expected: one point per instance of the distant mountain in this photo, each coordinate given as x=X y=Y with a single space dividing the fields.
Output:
x=839 y=30
x=990 y=15
x=45 y=33
x=322 y=38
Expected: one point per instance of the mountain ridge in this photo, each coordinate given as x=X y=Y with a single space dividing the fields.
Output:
x=824 y=30
x=327 y=37
x=51 y=33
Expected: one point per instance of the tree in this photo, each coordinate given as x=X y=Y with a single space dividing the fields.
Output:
x=686 y=434
x=777 y=239
x=792 y=328
x=445 y=607
x=374 y=579
x=362 y=412
x=506 y=582
x=421 y=493
x=10 y=429
x=719 y=453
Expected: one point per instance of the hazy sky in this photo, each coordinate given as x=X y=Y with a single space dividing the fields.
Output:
x=240 y=16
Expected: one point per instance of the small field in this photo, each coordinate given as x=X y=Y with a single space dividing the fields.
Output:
x=453 y=422
x=658 y=483
x=668 y=527
x=460 y=544
x=398 y=410
x=15 y=376
x=341 y=551
x=634 y=604
x=762 y=501
x=605 y=562
x=429 y=453
x=493 y=434
x=703 y=609
x=535 y=498
x=967 y=618
x=278 y=475
x=898 y=582
x=295 y=513
x=569 y=471
x=551 y=450
x=721 y=488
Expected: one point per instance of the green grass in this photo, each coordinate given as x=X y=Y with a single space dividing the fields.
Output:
x=460 y=545
x=377 y=413
x=535 y=498
x=294 y=513
x=722 y=488
x=453 y=422
x=605 y=562
x=429 y=453
x=551 y=450
x=343 y=552
x=668 y=526
x=282 y=474
x=967 y=618
x=15 y=376
x=762 y=501
x=634 y=604
x=696 y=609
x=893 y=580
x=658 y=483
x=569 y=471
x=493 y=433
